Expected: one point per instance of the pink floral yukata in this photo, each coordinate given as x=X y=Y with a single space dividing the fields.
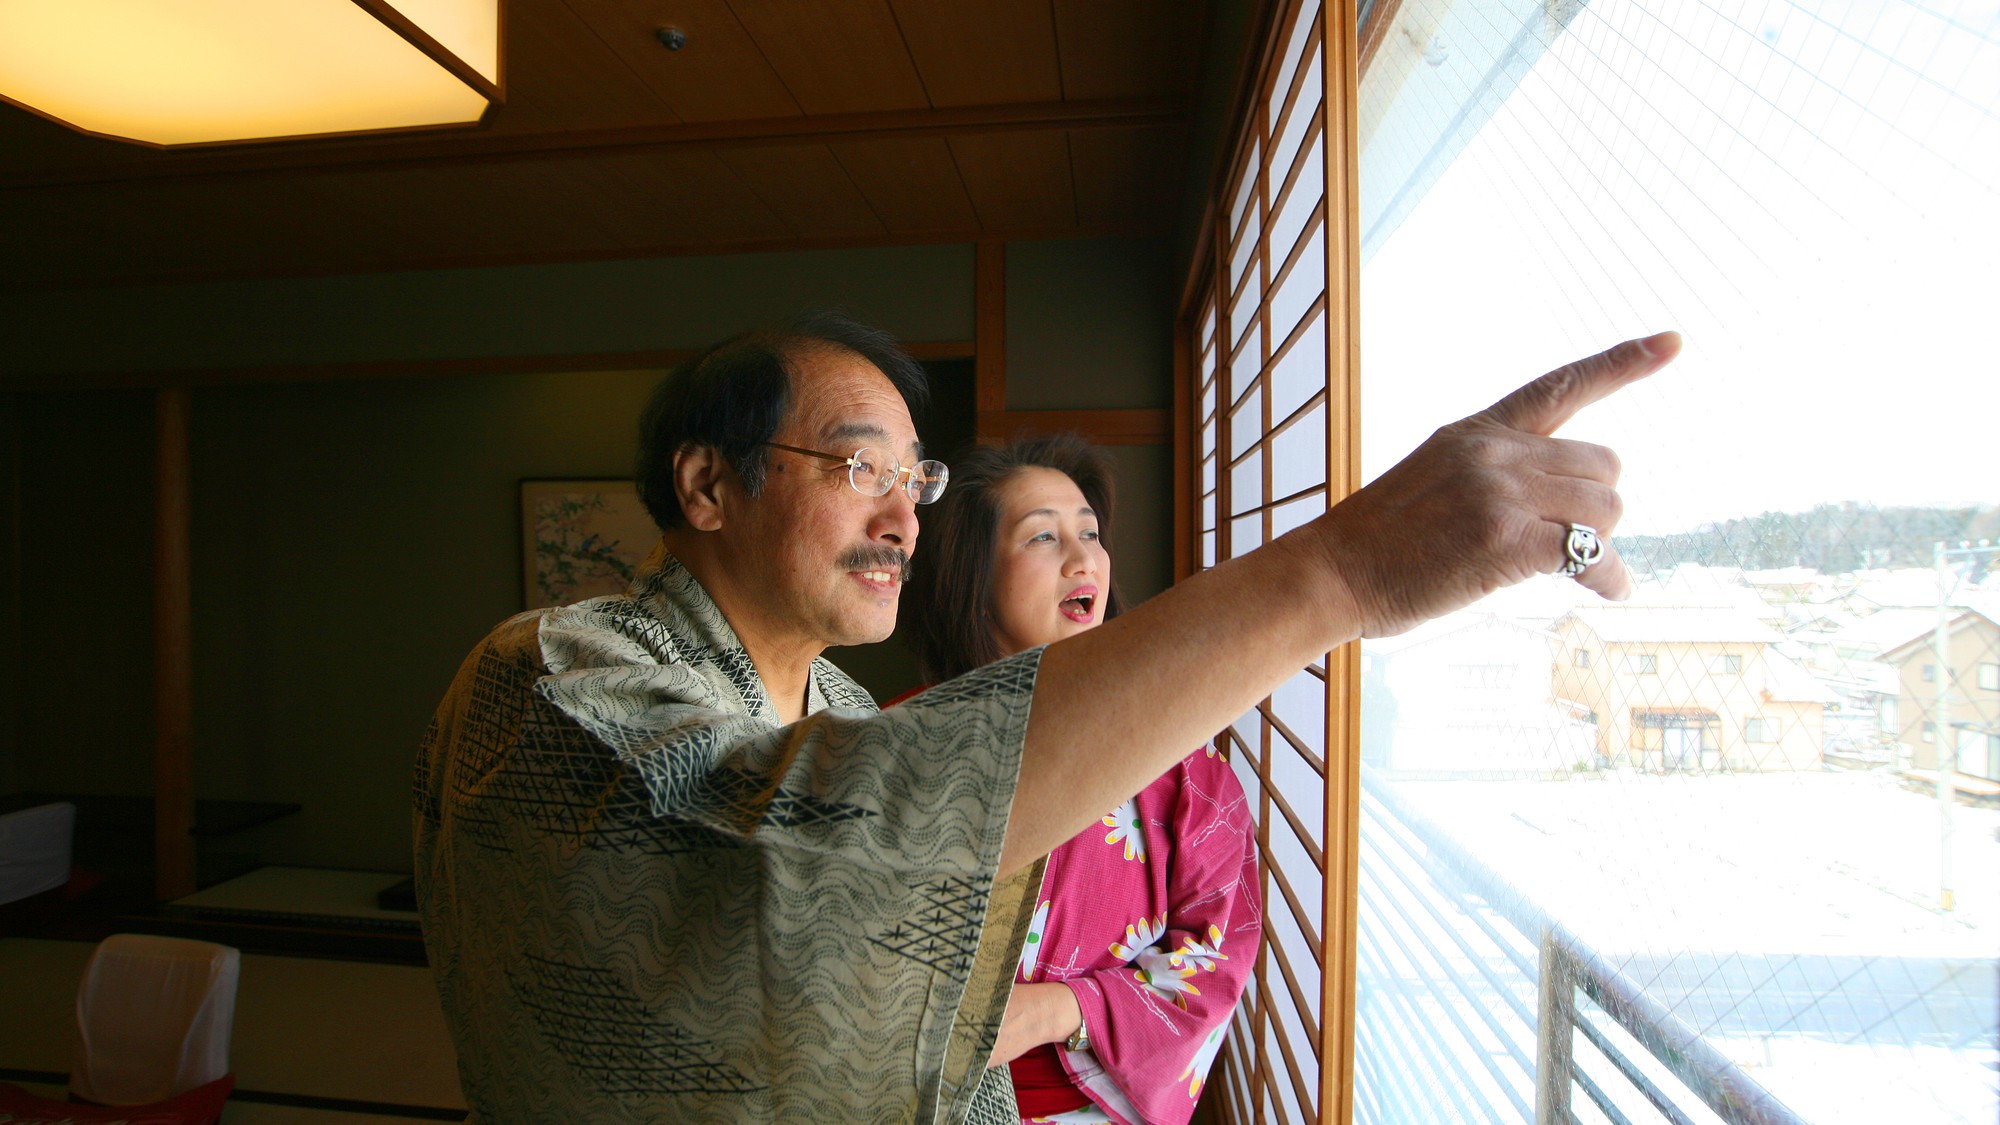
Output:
x=1152 y=919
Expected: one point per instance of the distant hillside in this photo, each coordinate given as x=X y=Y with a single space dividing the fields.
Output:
x=1832 y=538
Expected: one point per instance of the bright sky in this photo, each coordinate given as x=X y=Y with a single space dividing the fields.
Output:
x=1818 y=212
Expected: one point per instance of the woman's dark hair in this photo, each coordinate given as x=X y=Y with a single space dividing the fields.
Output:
x=950 y=596
x=733 y=396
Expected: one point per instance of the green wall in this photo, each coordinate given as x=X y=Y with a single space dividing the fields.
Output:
x=353 y=538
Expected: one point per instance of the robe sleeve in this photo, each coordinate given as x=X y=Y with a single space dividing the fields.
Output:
x=1157 y=1022
x=611 y=857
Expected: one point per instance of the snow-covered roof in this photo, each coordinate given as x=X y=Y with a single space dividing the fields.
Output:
x=1884 y=629
x=1629 y=624
x=1961 y=621
x=1786 y=682
x=1457 y=621
x=1783 y=576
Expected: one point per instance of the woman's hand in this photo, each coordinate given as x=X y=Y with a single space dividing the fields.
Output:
x=1036 y=1014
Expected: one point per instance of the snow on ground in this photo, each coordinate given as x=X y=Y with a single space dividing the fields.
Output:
x=1793 y=919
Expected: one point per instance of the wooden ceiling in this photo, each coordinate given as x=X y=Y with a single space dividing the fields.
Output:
x=781 y=123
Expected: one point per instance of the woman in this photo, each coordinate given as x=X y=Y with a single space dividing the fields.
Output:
x=1147 y=925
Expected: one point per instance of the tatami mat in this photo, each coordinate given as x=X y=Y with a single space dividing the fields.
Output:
x=340 y=1030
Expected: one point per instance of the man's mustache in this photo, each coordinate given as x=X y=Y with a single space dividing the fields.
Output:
x=878 y=558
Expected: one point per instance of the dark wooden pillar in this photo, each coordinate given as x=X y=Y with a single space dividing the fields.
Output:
x=989 y=340
x=173 y=652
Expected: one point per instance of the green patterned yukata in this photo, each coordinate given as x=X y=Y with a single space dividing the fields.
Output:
x=645 y=900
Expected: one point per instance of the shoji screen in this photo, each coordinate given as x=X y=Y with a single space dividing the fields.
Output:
x=1692 y=858
x=1260 y=384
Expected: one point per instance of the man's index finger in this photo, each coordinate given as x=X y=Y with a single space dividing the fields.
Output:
x=1542 y=406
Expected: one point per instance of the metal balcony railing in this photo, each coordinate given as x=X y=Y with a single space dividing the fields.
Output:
x=1476 y=1006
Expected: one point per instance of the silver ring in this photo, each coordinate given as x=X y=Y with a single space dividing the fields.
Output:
x=1581 y=550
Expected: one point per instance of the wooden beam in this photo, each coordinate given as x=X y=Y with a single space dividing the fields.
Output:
x=484 y=145
x=1341 y=901
x=989 y=340
x=655 y=358
x=173 y=651
x=1105 y=427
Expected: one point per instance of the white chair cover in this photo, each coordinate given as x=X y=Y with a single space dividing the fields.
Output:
x=155 y=1014
x=34 y=849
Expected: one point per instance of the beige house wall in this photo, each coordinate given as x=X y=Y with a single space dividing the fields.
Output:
x=1687 y=679
x=1916 y=704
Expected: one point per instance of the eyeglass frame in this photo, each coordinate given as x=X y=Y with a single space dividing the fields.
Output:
x=911 y=485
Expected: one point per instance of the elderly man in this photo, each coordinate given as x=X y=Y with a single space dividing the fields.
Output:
x=674 y=866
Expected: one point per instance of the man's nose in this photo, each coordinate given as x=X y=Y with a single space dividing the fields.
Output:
x=895 y=519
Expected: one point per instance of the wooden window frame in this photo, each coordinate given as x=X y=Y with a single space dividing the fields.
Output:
x=1225 y=361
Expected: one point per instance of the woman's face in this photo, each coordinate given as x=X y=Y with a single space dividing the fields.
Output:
x=1050 y=571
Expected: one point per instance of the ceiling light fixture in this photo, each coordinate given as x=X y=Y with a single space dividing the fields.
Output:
x=192 y=72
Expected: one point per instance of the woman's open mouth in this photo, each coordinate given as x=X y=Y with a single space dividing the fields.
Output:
x=1079 y=604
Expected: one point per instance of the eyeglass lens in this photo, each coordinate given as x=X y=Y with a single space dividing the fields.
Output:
x=874 y=473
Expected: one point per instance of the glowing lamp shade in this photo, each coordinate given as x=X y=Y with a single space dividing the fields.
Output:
x=180 y=72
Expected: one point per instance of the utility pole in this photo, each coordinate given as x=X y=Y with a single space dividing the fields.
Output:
x=1944 y=739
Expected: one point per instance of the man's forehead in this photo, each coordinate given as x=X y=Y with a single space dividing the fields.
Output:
x=853 y=431
x=841 y=397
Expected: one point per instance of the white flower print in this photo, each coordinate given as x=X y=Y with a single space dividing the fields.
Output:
x=1165 y=974
x=1201 y=955
x=1124 y=825
x=1031 y=949
x=1204 y=1057
x=1140 y=937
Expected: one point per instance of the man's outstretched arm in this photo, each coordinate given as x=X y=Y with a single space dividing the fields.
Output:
x=1483 y=504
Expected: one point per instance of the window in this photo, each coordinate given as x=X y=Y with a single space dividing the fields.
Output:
x=1538 y=181
x=1258 y=372
x=1989 y=677
x=1930 y=731
x=1930 y=673
x=1535 y=181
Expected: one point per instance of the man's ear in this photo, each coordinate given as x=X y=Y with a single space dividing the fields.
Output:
x=700 y=472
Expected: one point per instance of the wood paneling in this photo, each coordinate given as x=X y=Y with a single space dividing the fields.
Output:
x=912 y=185
x=982 y=53
x=719 y=76
x=1017 y=180
x=561 y=75
x=652 y=359
x=1108 y=163
x=1104 y=427
x=929 y=120
x=1126 y=48
x=836 y=56
x=807 y=188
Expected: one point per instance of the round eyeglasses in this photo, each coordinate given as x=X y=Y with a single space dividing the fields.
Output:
x=873 y=472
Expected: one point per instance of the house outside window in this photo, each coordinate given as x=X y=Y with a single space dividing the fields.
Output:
x=1989 y=677
x=1930 y=732
x=1761 y=730
x=1930 y=673
x=1727 y=664
x=1583 y=658
x=1643 y=664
